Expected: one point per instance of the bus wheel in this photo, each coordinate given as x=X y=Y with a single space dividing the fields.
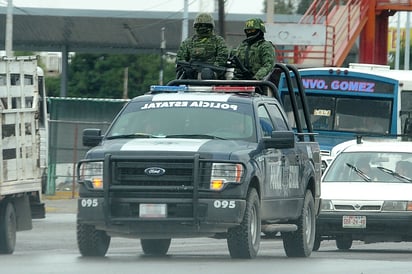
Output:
x=7 y=228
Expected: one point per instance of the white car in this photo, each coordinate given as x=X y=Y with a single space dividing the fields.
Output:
x=367 y=195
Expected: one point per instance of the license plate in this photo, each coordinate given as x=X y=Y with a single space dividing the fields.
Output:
x=354 y=222
x=152 y=210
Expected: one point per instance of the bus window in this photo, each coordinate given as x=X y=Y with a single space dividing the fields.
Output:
x=362 y=115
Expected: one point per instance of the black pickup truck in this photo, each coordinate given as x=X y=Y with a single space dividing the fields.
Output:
x=200 y=158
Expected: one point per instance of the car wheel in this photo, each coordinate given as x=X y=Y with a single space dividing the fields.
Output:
x=344 y=242
x=243 y=241
x=92 y=242
x=300 y=243
x=156 y=247
x=8 y=227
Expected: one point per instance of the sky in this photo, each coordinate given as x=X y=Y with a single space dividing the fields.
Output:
x=232 y=6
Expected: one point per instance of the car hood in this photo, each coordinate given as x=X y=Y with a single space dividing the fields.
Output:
x=223 y=149
x=367 y=191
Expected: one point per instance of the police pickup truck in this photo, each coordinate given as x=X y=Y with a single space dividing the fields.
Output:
x=199 y=158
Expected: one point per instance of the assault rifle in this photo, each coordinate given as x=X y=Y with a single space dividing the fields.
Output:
x=199 y=70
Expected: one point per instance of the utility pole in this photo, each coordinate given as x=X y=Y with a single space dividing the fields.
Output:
x=222 y=30
x=185 y=22
x=162 y=49
x=9 y=29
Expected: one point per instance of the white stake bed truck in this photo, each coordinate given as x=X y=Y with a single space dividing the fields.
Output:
x=22 y=116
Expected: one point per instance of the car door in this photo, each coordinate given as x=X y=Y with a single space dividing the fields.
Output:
x=290 y=189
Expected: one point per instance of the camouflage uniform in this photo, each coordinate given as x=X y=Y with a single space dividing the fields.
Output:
x=255 y=53
x=204 y=46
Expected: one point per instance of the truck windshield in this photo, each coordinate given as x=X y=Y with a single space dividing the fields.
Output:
x=234 y=122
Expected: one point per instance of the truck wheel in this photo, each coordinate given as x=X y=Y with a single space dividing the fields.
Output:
x=300 y=242
x=157 y=247
x=343 y=242
x=316 y=244
x=7 y=228
x=243 y=241
x=92 y=242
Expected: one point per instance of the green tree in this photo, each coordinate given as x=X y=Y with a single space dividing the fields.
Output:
x=303 y=6
x=102 y=75
x=401 y=58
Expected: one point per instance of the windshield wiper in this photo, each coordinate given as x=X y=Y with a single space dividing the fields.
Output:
x=361 y=174
x=132 y=135
x=194 y=136
x=398 y=176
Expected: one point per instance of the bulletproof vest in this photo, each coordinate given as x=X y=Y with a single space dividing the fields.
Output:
x=203 y=49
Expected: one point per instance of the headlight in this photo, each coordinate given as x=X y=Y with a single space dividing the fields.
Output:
x=397 y=206
x=326 y=205
x=225 y=173
x=91 y=173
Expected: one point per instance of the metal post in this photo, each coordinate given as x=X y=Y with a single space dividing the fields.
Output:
x=398 y=41
x=162 y=49
x=407 y=41
x=9 y=29
x=185 y=22
x=222 y=30
x=64 y=73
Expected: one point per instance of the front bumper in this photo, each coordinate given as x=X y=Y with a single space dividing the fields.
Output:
x=396 y=225
x=183 y=218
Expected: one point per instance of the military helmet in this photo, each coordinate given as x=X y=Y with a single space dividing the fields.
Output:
x=255 y=23
x=204 y=18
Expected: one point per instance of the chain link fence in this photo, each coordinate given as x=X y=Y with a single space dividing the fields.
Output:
x=68 y=117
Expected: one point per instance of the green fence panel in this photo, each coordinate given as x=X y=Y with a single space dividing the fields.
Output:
x=68 y=117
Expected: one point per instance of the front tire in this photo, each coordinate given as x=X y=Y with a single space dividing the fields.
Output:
x=92 y=242
x=8 y=226
x=300 y=242
x=156 y=247
x=243 y=241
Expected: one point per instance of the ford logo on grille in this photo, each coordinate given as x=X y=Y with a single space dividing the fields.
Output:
x=154 y=171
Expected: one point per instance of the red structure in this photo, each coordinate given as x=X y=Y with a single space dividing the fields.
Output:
x=345 y=22
x=374 y=37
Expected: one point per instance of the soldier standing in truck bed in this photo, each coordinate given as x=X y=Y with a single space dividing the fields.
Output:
x=204 y=46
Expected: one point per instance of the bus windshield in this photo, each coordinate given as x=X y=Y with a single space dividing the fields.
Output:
x=355 y=115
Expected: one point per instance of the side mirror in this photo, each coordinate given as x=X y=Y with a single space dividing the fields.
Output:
x=92 y=137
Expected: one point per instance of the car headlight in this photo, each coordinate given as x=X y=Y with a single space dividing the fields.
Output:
x=326 y=205
x=397 y=206
x=91 y=173
x=225 y=173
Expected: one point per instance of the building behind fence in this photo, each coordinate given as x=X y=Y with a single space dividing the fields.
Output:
x=68 y=117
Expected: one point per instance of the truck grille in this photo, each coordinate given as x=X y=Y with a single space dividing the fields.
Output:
x=172 y=181
x=175 y=173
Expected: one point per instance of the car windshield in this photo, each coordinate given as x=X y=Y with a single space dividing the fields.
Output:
x=370 y=166
x=207 y=122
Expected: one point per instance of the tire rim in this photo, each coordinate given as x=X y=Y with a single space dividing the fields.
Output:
x=253 y=225
x=308 y=220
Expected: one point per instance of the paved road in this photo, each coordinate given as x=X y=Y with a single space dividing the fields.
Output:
x=58 y=204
